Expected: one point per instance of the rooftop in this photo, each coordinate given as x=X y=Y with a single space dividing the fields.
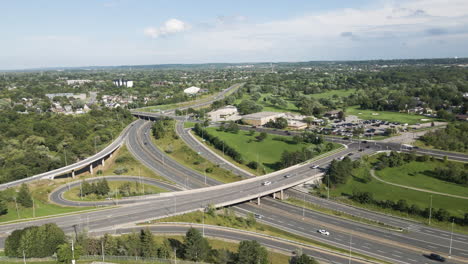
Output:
x=260 y=115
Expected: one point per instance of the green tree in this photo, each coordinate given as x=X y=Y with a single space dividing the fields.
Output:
x=65 y=254
x=24 y=196
x=251 y=252
x=3 y=207
x=148 y=245
x=196 y=247
x=262 y=136
x=303 y=259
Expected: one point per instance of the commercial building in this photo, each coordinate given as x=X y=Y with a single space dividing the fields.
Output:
x=121 y=82
x=79 y=82
x=192 y=90
x=261 y=118
x=227 y=113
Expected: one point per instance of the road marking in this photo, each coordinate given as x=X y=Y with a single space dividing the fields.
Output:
x=398 y=256
x=431 y=246
x=380 y=251
x=412 y=260
x=366 y=247
x=338 y=239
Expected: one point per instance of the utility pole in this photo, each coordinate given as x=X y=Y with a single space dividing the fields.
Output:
x=328 y=187
x=34 y=208
x=451 y=236
x=430 y=211
x=350 y=245
x=73 y=251
x=303 y=208
x=102 y=249
x=17 y=211
x=204 y=172
x=175 y=255
x=24 y=257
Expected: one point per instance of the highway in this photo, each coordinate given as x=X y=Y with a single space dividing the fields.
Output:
x=273 y=220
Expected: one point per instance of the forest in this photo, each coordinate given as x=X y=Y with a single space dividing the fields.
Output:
x=34 y=143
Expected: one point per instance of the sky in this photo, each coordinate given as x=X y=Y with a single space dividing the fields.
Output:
x=58 y=33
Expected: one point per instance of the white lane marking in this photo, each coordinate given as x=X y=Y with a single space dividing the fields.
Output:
x=412 y=260
x=366 y=247
x=398 y=256
x=380 y=251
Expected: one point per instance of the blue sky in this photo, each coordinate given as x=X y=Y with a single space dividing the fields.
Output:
x=39 y=33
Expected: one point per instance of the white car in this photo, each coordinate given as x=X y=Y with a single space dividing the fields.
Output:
x=266 y=183
x=287 y=176
x=323 y=232
x=258 y=216
x=315 y=167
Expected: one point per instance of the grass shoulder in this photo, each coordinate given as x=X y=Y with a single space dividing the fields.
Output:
x=175 y=147
x=368 y=114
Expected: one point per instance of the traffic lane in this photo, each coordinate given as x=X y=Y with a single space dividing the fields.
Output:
x=197 y=147
x=419 y=242
x=414 y=230
x=238 y=235
x=393 y=253
x=57 y=195
x=336 y=238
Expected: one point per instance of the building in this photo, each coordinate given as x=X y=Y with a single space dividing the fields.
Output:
x=79 y=82
x=296 y=125
x=332 y=114
x=122 y=82
x=462 y=117
x=227 y=113
x=81 y=96
x=192 y=90
x=261 y=118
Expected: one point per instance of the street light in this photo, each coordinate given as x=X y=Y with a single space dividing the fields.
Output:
x=430 y=211
x=451 y=236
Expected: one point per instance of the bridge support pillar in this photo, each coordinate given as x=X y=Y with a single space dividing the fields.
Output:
x=274 y=195
x=102 y=162
x=258 y=200
x=91 y=168
x=73 y=174
x=281 y=195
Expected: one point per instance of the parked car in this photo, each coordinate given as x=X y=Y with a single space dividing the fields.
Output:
x=323 y=232
x=437 y=257
x=265 y=183
x=315 y=167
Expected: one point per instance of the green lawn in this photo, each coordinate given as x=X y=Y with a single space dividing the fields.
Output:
x=40 y=191
x=387 y=116
x=267 y=107
x=383 y=191
x=124 y=160
x=267 y=152
x=417 y=174
x=135 y=189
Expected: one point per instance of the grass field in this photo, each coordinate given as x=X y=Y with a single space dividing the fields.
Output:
x=40 y=191
x=135 y=189
x=123 y=159
x=417 y=174
x=383 y=191
x=178 y=150
x=267 y=152
x=272 y=108
x=387 y=116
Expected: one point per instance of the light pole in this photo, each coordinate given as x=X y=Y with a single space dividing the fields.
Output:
x=451 y=236
x=350 y=245
x=303 y=208
x=328 y=187
x=430 y=211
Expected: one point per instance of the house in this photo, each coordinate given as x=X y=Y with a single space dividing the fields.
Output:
x=261 y=118
x=192 y=90
x=227 y=113
x=296 y=125
x=462 y=117
x=332 y=114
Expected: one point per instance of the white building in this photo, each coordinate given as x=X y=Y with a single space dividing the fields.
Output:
x=192 y=90
x=72 y=82
x=227 y=113
x=121 y=82
x=261 y=118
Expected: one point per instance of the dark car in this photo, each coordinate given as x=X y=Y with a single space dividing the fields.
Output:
x=437 y=257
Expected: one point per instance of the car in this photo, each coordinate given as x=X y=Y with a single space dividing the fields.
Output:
x=342 y=157
x=265 y=183
x=258 y=216
x=350 y=154
x=346 y=138
x=323 y=232
x=437 y=257
x=361 y=150
x=315 y=167
x=287 y=176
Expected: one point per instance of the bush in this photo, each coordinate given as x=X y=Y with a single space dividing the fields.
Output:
x=253 y=165
x=120 y=170
x=209 y=170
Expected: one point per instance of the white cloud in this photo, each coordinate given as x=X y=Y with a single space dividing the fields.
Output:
x=171 y=26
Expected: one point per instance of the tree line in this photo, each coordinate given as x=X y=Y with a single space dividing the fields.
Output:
x=454 y=137
x=35 y=143
x=49 y=239
x=23 y=198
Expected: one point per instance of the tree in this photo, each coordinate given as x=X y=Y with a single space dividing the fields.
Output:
x=148 y=246
x=251 y=252
x=248 y=107
x=3 y=207
x=262 y=136
x=308 y=120
x=65 y=254
x=303 y=259
x=253 y=165
x=196 y=247
x=24 y=197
